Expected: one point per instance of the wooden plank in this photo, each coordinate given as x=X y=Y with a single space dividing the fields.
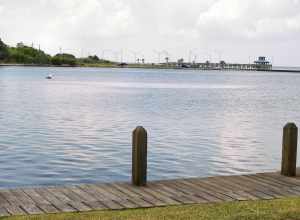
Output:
x=66 y=196
x=230 y=184
x=42 y=203
x=32 y=209
x=48 y=208
x=145 y=195
x=224 y=190
x=263 y=182
x=206 y=194
x=175 y=195
x=190 y=191
x=107 y=202
x=14 y=209
x=276 y=180
x=26 y=202
x=268 y=181
x=165 y=190
x=123 y=198
x=215 y=192
x=37 y=198
x=275 y=191
x=260 y=195
x=167 y=200
x=61 y=206
x=82 y=194
x=130 y=196
x=198 y=191
x=291 y=180
x=220 y=185
x=158 y=193
x=172 y=193
x=3 y=201
x=10 y=197
x=3 y=212
x=96 y=206
x=230 y=189
x=253 y=187
x=19 y=198
x=58 y=193
x=103 y=193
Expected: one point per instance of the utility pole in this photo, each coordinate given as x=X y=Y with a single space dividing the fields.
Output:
x=159 y=54
x=121 y=57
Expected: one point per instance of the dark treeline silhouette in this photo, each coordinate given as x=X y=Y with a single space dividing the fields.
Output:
x=23 y=54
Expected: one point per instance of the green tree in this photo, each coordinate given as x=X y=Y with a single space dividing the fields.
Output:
x=64 y=59
x=3 y=50
x=28 y=55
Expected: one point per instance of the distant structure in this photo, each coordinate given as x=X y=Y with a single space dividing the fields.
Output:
x=262 y=64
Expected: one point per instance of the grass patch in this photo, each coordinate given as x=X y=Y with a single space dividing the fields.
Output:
x=281 y=209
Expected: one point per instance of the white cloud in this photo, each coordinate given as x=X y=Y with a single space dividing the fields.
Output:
x=237 y=28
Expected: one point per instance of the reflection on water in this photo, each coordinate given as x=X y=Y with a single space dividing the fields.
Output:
x=77 y=127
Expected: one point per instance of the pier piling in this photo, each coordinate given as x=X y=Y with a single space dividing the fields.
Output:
x=289 y=150
x=139 y=156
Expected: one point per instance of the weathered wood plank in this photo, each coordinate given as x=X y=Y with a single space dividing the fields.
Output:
x=68 y=197
x=166 y=200
x=276 y=180
x=61 y=206
x=202 y=192
x=3 y=201
x=268 y=181
x=48 y=208
x=37 y=198
x=10 y=197
x=145 y=195
x=199 y=195
x=3 y=212
x=18 y=198
x=14 y=210
x=118 y=196
x=96 y=206
x=101 y=197
x=175 y=195
x=137 y=201
x=137 y=198
x=268 y=189
x=213 y=191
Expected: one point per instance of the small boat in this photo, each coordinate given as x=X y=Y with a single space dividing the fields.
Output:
x=50 y=76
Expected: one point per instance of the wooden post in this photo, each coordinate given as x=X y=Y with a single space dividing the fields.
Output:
x=139 y=156
x=289 y=150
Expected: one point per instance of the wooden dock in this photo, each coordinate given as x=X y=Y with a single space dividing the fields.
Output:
x=117 y=196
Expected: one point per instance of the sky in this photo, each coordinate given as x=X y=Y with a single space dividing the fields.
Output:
x=230 y=30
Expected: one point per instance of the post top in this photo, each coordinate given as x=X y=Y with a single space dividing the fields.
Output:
x=290 y=125
x=140 y=129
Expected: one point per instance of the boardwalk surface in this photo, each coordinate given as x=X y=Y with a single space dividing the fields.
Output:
x=117 y=196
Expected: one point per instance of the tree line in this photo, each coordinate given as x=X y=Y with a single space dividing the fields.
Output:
x=23 y=54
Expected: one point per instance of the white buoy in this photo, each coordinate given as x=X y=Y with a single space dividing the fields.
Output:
x=50 y=76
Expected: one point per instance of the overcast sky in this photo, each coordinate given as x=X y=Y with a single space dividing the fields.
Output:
x=234 y=30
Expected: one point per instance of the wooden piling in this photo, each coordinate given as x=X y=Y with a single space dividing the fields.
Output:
x=289 y=150
x=139 y=156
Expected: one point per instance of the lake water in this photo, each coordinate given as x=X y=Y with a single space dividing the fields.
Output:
x=77 y=127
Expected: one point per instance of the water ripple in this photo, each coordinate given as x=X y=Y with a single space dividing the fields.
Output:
x=77 y=128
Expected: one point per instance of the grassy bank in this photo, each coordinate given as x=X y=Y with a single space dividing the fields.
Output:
x=285 y=209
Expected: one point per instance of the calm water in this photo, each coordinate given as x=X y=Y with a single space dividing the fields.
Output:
x=77 y=127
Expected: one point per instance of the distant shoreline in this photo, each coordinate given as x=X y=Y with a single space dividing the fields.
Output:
x=141 y=66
